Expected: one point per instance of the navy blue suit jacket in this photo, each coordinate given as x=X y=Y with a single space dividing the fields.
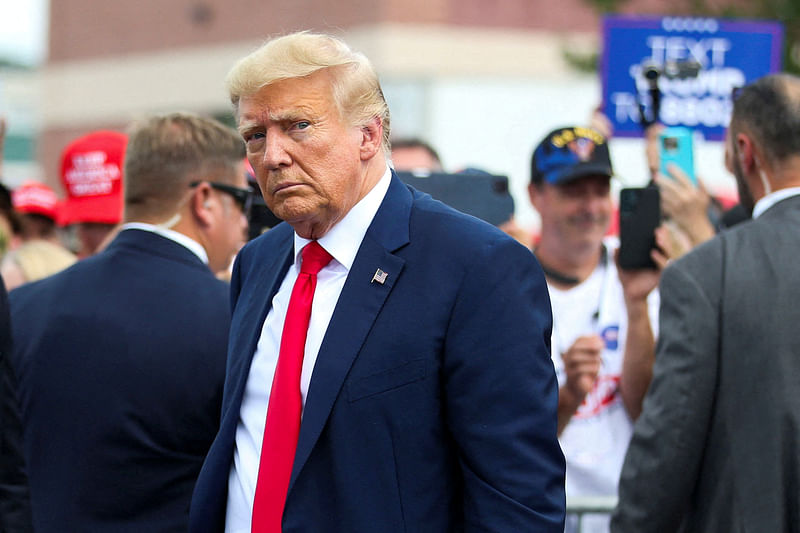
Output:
x=432 y=404
x=121 y=364
x=15 y=507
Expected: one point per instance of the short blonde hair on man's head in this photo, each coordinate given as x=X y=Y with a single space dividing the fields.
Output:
x=166 y=152
x=356 y=89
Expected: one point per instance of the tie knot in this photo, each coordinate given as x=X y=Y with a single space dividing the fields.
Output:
x=314 y=258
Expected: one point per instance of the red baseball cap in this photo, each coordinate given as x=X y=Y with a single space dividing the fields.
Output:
x=91 y=172
x=35 y=197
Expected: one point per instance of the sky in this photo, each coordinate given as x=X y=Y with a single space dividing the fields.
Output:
x=23 y=30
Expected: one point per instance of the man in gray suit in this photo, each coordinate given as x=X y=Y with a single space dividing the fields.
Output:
x=717 y=447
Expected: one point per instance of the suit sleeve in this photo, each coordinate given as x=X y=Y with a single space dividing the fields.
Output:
x=663 y=459
x=501 y=395
x=15 y=510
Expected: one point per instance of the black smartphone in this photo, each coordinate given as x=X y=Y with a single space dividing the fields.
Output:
x=639 y=216
x=485 y=196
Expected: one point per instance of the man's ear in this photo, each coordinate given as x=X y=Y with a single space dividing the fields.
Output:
x=534 y=194
x=745 y=152
x=201 y=204
x=371 y=138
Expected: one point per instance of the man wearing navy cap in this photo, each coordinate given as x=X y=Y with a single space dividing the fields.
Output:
x=603 y=318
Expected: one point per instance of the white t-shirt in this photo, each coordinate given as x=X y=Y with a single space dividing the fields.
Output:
x=596 y=438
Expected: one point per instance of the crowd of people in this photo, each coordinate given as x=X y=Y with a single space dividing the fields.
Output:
x=380 y=361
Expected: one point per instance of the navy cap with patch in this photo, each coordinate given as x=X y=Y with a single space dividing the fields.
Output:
x=570 y=153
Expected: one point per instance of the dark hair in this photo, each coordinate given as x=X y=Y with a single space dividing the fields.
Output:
x=414 y=142
x=769 y=110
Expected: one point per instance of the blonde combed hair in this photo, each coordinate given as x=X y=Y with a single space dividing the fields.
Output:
x=356 y=89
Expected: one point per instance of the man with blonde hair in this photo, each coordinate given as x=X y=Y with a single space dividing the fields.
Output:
x=121 y=357
x=389 y=365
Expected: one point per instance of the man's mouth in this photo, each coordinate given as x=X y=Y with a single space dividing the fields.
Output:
x=283 y=187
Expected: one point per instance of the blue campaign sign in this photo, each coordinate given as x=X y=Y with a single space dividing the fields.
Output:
x=686 y=68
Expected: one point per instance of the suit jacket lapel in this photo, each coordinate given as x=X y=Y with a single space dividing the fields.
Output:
x=251 y=310
x=358 y=306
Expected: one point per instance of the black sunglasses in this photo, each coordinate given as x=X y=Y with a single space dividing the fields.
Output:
x=242 y=197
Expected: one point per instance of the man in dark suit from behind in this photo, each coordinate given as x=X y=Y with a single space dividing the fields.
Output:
x=121 y=357
x=15 y=507
x=422 y=372
x=717 y=447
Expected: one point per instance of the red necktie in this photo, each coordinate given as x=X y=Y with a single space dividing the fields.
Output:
x=285 y=401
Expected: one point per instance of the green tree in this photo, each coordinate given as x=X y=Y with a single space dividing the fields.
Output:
x=785 y=11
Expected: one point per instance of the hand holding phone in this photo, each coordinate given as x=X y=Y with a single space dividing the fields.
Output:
x=675 y=147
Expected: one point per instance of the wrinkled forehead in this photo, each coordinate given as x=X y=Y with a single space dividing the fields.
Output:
x=287 y=100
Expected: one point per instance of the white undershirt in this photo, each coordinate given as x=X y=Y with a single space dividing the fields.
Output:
x=596 y=438
x=342 y=241
x=195 y=247
x=773 y=198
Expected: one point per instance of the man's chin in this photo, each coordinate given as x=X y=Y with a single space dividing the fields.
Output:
x=587 y=240
x=293 y=208
x=591 y=231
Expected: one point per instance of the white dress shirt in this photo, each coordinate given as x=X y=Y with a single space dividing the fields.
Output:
x=342 y=241
x=773 y=198
x=195 y=247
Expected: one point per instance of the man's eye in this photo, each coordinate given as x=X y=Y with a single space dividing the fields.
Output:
x=256 y=136
x=303 y=124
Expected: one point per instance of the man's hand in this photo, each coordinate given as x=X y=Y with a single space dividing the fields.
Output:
x=672 y=243
x=686 y=204
x=582 y=364
x=638 y=283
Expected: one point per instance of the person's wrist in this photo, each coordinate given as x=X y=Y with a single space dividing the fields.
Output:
x=699 y=230
x=573 y=395
x=636 y=305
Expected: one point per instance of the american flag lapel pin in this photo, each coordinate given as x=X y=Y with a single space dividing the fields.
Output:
x=380 y=276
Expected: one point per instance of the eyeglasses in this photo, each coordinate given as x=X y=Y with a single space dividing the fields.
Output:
x=242 y=197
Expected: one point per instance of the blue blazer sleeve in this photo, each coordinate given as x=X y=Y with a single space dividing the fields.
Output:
x=501 y=394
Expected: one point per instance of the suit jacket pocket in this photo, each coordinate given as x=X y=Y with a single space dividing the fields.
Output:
x=386 y=380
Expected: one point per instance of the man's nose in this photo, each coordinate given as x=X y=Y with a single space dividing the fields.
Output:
x=275 y=155
x=595 y=202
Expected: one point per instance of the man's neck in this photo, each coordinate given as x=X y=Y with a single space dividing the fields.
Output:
x=786 y=175
x=565 y=269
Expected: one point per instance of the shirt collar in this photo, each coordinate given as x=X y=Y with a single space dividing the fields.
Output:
x=195 y=247
x=344 y=238
x=772 y=199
